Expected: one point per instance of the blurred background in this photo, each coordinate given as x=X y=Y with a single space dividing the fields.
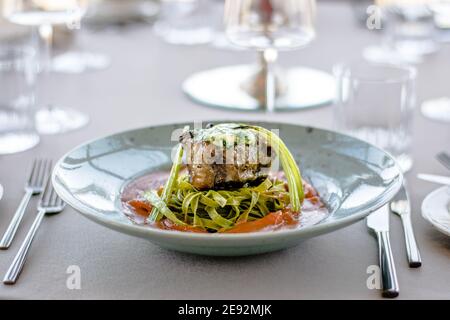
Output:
x=70 y=42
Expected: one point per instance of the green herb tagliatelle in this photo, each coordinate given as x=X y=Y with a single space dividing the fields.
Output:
x=290 y=168
x=220 y=209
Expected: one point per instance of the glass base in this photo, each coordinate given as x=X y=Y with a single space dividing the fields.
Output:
x=80 y=62
x=223 y=88
x=185 y=36
x=437 y=109
x=17 y=142
x=221 y=42
x=57 y=120
x=416 y=48
x=381 y=54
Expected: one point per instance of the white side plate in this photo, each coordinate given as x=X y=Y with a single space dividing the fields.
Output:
x=435 y=209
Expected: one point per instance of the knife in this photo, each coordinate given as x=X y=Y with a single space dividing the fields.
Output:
x=400 y=205
x=378 y=222
x=434 y=178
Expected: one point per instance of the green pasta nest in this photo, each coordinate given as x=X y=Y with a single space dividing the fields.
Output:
x=222 y=209
x=181 y=203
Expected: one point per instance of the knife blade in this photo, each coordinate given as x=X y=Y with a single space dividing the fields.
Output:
x=378 y=222
x=434 y=178
x=401 y=206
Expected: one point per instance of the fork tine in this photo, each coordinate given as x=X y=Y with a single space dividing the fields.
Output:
x=40 y=172
x=45 y=198
x=45 y=172
x=444 y=159
x=49 y=197
x=33 y=172
x=54 y=197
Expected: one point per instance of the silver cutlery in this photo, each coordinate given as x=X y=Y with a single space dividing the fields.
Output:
x=34 y=185
x=434 y=178
x=400 y=205
x=444 y=159
x=50 y=203
x=378 y=222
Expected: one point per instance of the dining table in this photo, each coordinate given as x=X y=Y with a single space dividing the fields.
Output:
x=142 y=87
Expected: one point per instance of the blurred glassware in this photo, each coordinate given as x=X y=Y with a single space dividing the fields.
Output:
x=265 y=26
x=186 y=22
x=375 y=102
x=44 y=15
x=409 y=34
x=10 y=32
x=221 y=40
x=360 y=8
x=441 y=13
x=17 y=127
x=102 y=13
x=80 y=60
x=107 y=13
x=410 y=29
x=439 y=109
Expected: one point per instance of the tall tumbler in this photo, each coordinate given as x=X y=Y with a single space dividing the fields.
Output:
x=375 y=103
x=17 y=114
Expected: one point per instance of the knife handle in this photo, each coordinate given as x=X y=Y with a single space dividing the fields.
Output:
x=387 y=266
x=411 y=245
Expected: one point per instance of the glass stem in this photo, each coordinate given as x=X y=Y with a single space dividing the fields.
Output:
x=46 y=35
x=270 y=56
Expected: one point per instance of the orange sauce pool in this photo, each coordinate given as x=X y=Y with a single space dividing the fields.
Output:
x=313 y=209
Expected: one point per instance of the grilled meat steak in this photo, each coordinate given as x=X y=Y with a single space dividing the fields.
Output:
x=226 y=156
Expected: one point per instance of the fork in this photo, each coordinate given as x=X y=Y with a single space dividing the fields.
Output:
x=50 y=203
x=444 y=158
x=34 y=186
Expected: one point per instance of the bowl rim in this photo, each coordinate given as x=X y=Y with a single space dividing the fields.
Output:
x=134 y=229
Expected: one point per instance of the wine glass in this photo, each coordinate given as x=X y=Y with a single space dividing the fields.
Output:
x=80 y=60
x=265 y=26
x=408 y=34
x=103 y=14
x=44 y=15
x=185 y=22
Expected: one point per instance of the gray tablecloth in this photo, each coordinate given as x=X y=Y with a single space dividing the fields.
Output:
x=141 y=88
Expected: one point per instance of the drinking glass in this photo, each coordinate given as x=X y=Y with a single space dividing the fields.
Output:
x=439 y=108
x=265 y=26
x=44 y=14
x=102 y=14
x=17 y=128
x=409 y=32
x=375 y=102
x=185 y=22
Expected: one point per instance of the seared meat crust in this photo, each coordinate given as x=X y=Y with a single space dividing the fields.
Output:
x=226 y=156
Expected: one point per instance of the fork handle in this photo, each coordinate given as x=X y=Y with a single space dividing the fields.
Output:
x=412 y=250
x=387 y=266
x=19 y=260
x=15 y=221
